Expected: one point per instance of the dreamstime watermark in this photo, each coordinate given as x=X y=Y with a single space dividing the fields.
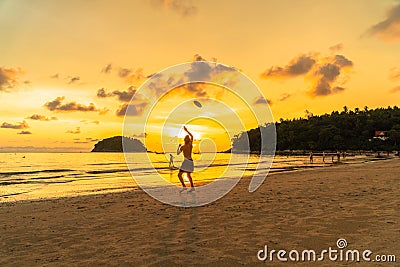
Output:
x=234 y=115
x=338 y=253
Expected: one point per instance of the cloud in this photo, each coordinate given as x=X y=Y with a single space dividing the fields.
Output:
x=338 y=89
x=67 y=79
x=9 y=78
x=198 y=89
x=107 y=68
x=131 y=110
x=122 y=110
x=321 y=88
x=87 y=122
x=124 y=96
x=326 y=75
x=21 y=125
x=25 y=132
x=86 y=141
x=394 y=74
x=123 y=72
x=103 y=111
x=57 y=105
x=74 y=79
x=198 y=57
x=388 y=29
x=329 y=71
x=192 y=80
x=130 y=75
x=76 y=131
x=336 y=48
x=261 y=100
x=323 y=72
x=202 y=70
x=297 y=66
x=89 y=139
x=183 y=7
x=102 y=93
x=38 y=117
x=198 y=72
x=395 y=89
x=284 y=97
x=342 y=61
x=159 y=87
x=141 y=135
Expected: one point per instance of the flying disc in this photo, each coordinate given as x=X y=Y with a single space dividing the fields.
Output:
x=197 y=103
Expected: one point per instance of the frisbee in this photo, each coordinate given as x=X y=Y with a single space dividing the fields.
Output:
x=197 y=103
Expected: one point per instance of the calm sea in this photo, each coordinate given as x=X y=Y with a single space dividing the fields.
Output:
x=29 y=176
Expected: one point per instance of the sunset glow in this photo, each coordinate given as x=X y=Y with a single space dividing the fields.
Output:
x=69 y=68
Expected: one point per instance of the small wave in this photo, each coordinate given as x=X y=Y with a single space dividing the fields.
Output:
x=33 y=182
x=14 y=194
x=105 y=164
x=47 y=178
x=32 y=172
x=107 y=171
x=111 y=189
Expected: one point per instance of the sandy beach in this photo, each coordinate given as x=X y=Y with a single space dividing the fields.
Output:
x=308 y=209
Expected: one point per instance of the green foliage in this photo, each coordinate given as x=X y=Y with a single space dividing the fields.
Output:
x=346 y=130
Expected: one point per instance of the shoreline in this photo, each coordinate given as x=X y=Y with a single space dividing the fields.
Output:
x=273 y=171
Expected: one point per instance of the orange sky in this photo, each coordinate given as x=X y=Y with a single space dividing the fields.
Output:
x=67 y=68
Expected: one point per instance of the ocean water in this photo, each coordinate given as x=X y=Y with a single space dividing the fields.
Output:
x=31 y=176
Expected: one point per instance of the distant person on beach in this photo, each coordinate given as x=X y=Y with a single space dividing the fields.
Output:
x=171 y=161
x=323 y=157
x=338 y=156
x=187 y=164
x=311 y=157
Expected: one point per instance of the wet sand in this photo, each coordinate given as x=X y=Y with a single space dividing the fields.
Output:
x=308 y=209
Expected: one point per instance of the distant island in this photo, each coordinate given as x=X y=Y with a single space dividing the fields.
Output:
x=114 y=144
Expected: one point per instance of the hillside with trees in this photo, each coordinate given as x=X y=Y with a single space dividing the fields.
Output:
x=114 y=144
x=375 y=129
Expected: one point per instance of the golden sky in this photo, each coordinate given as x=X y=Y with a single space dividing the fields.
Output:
x=69 y=68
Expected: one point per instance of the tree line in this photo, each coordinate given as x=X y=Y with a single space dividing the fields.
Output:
x=344 y=130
